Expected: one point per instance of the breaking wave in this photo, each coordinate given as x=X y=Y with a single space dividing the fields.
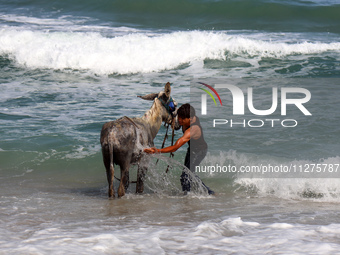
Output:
x=140 y=53
x=299 y=186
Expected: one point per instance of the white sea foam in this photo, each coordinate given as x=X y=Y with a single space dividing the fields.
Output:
x=81 y=152
x=281 y=225
x=36 y=21
x=227 y=227
x=316 y=189
x=229 y=236
x=330 y=229
x=305 y=186
x=137 y=52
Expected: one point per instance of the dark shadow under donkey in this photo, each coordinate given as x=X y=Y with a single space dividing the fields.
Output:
x=124 y=139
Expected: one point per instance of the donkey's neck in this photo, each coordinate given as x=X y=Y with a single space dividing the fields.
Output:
x=154 y=118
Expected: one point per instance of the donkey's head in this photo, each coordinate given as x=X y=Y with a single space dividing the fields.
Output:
x=164 y=105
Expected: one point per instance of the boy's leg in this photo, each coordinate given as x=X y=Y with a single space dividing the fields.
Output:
x=185 y=181
x=196 y=160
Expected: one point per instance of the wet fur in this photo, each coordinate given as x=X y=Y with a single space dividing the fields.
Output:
x=123 y=141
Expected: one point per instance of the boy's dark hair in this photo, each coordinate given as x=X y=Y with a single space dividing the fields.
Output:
x=186 y=111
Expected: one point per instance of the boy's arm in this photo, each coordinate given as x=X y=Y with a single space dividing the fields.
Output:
x=179 y=143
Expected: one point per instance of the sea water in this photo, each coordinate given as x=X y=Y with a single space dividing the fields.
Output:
x=67 y=67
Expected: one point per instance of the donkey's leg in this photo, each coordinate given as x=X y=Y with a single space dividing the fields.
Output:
x=127 y=179
x=140 y=178
x=124 y=180
x=142 y=169
x=109 y=170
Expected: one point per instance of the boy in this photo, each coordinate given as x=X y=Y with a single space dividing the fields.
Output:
x=193 y=135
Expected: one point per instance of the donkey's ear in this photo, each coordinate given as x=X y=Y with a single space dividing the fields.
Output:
x=167 y=89
x=151 y=96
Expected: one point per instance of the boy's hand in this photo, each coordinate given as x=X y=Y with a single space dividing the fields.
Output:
x=150 y=150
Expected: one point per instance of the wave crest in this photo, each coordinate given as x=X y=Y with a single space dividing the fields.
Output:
x=140 y=53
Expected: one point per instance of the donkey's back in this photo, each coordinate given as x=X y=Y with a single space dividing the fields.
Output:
x=126 y=138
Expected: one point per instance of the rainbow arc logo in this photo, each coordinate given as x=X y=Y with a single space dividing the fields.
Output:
x=204 y=97
x=209 y=93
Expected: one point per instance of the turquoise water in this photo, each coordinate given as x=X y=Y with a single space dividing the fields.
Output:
x=67 y=67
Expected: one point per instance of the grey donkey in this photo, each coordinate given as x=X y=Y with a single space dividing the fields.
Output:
x=124 y=139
